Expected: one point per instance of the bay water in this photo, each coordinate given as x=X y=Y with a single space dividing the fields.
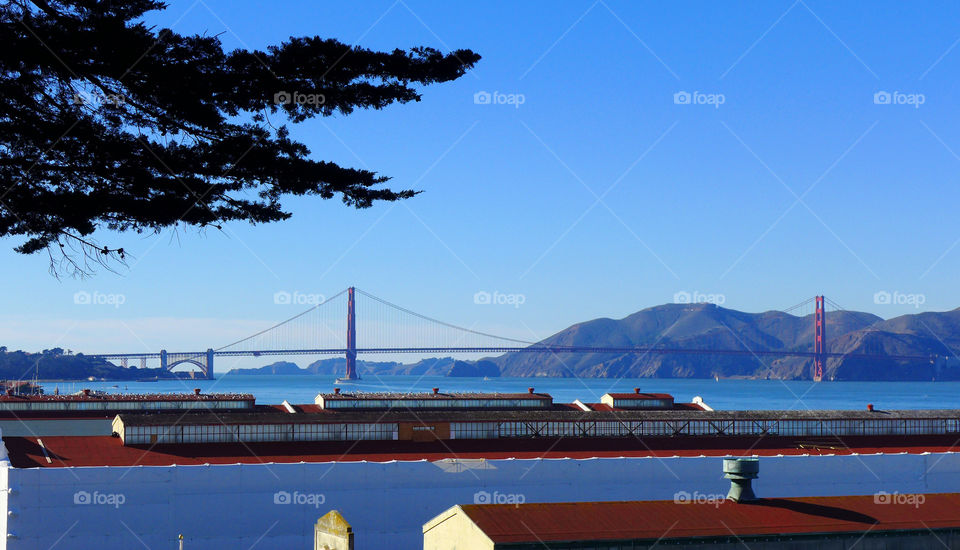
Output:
x=726 y=394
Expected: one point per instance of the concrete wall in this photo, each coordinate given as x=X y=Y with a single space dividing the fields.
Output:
x=229 y=506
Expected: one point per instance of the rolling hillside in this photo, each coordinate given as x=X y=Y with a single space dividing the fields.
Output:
x=706 y=326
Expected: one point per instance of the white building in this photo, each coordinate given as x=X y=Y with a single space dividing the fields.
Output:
x=128 y=505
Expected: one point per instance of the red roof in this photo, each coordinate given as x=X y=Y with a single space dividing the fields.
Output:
x=135 y=397
x=676 y=407
x=309 y=408
x=343 y=396
x=640 y=395
x=59 y=414
x=663 y=520
x=25 y=452
x=688 y=407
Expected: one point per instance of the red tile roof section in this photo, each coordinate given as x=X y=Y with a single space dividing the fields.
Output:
x=112 y=413
x=343 y=396
x=641 y=396
x=665 y=519
x=24 y=452
x=130 y=397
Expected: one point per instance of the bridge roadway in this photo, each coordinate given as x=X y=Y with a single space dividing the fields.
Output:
x=507 y=349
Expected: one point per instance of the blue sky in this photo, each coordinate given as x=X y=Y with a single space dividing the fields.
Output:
x=598 y=195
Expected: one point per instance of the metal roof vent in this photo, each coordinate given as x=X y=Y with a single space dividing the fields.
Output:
x=740 y=472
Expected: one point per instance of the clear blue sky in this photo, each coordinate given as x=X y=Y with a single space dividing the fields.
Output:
x=598 y=196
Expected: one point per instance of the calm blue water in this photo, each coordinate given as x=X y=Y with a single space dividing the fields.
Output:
x=725 y=394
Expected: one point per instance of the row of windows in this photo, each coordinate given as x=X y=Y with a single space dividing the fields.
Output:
x=474 y=430
x=218 y=433
x=430 y=403
x=494 y=430
x=97 y=405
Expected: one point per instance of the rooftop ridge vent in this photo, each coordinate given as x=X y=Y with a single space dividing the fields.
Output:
x=741 y=472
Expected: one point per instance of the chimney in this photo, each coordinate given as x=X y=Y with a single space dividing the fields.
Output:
x=196 y=391
x=530 y=390
x=636 y=391
x=740 y=472
x=870 y=407
x=436 y=391
x=336 y=391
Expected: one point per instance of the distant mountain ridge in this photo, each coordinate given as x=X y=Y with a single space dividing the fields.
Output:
x=707 y=326
x=440 y=366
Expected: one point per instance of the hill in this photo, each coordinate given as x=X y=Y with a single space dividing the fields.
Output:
x=56 y=364
x=441 y=366
x=707 y=326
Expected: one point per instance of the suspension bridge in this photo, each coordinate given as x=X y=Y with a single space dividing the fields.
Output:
x=331 y=326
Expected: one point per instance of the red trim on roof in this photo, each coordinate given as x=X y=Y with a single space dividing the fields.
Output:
x=132 y=397
x=676 y=406
x=640 y=395
x=688 y=407
x=361 y=396
x=667 y=520
x=24 y=452
x=308 y=408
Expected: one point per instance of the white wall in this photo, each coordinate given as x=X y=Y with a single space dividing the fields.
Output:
x=4 y=471
x=232 y=506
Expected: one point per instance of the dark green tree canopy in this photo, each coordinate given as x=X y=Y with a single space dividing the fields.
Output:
x=106 y=123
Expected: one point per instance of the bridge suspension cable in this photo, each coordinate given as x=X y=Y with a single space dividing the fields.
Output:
x=298 y=317
x=799 y=306
x=442 y=323
x=834 y=305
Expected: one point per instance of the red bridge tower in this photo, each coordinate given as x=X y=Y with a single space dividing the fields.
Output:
x=819 y=340
x=351 y=373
